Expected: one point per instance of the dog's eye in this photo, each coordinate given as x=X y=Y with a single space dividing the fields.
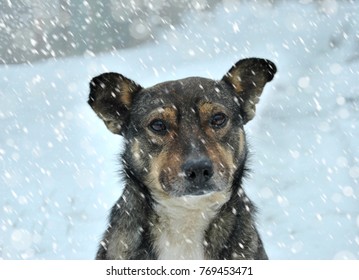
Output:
x=218 y=120
x=158 y=126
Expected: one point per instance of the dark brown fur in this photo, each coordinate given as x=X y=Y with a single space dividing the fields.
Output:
x=184 y=162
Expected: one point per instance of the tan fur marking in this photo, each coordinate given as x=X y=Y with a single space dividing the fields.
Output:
x=154 y=174
x=126 y=94
x=241 y=140
x=167 y=164
x=236 y=81
x=206 y=109
x=170 y=115
x=226 y=159
x=136 y=152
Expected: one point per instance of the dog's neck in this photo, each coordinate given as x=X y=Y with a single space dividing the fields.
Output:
x=182 y=222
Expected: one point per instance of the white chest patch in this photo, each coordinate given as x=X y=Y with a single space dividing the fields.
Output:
x=179 y=231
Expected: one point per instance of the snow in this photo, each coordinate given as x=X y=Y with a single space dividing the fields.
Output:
x=59 y=164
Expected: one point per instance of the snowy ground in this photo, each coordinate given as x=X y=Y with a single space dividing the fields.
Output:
x=58 y=174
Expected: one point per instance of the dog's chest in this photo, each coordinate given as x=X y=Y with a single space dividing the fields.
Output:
x=179 y=231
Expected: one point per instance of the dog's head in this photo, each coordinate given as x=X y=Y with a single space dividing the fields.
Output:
x=183 y=137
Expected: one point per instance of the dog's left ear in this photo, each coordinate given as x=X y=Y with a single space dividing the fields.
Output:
x=248 y=78
x=111 y=97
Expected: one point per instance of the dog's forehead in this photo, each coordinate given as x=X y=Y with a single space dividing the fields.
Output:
x=184 y=93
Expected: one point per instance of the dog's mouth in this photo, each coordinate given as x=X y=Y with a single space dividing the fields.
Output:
x=195 y=190
x=181 y=187
x=201 y=200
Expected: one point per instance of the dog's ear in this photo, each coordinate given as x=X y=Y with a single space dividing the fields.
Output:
x=248 y=78
x=111 y=97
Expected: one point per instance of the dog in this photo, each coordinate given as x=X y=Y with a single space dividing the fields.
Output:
x=183 y=165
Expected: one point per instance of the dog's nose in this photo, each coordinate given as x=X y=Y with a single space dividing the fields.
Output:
x=198 y=171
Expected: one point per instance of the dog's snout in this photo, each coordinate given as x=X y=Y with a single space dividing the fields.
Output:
x=198 y=171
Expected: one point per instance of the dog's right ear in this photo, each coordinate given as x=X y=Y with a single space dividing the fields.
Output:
x=111 y=97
